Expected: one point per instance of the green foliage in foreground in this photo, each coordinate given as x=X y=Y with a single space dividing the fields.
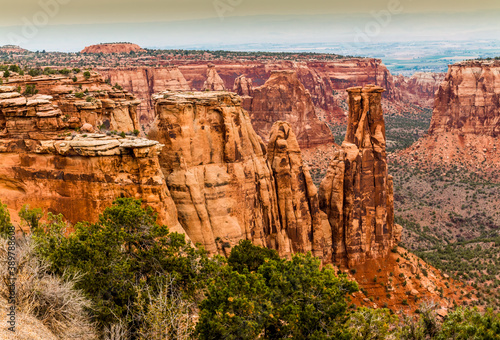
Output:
x=277 y=299
x=4 y=221
x=153 y=282
x=125 y=252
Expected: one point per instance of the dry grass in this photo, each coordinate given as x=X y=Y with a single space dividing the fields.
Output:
x=46 y=297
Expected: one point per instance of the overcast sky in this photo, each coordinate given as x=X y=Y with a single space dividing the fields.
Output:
x=71 y=24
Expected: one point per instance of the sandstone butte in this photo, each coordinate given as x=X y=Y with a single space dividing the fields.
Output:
x=46 y=163
x=326 y=81
x=113 y=48
x=12 y=49
x=465 y=126
x=284 y=98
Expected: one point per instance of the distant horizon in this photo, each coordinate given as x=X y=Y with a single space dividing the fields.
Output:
x=351 y=28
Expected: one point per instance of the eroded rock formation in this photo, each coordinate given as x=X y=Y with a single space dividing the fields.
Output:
x=46 y=163
x=143 y=82
x=465 y=122
x=297 y=196
x=284 y=98
x=419 y=89
x=219 y=177
x=357 y=192
x=113 y=48
x=214 y=82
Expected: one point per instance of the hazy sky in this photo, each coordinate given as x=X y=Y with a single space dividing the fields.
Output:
x=122 y=11
x=72 y=24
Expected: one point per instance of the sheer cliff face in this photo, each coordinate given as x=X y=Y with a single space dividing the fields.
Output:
x=357 y=193
x=224 y=188
x=284 y=98
x=144 y=82
x=47 y=164
x=69 y=104
x=321 y=79
x=469 y=100
x=419 y=89
x=465 y=122
x=297 y=196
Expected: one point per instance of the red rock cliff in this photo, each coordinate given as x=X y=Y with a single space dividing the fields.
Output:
x=284 y=98
x=465 y=122
x=219 y=177
x=46 y=163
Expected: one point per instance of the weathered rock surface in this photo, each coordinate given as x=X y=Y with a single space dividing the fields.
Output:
x=112 y=48
x=214 y=82
x=465 y=126
x=297 y=196
x=326 y=81
x=143 y=82
x=46 y=165
x=357 y=192
x=419 y=89
x=244 y=88
x=222 y=182
x=284 y=98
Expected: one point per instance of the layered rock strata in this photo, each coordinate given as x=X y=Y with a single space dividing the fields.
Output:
x=284 y=98
x=219 y=177
x=46 y=163
x=465 y=122
x=143 y=82
x=77 y=100
x=214 y=82
x=357 y=192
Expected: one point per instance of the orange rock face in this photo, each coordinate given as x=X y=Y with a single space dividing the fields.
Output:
x=357 y=193
x=465 y=122
x=420 y=88
x=225 y=187
x=143 y=82
x=297 y=196
x=69 y=104
x=112 y=48
x=214 y=82
x=47 y=164
x=284 y=98
x=326 y=81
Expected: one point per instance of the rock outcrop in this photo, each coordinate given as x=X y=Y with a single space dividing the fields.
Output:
x=420 y=88
x=297 y=196
x=214 y=82
x=357 y=192
x=219 y=177
x=78 y=100
x=113 y=48
x=46 y=163
x=284 y=98
x=465 y=122
x=244 y=88
x=326 y=81
x=143 y=82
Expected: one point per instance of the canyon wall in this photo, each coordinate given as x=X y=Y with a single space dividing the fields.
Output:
x=326 y=81
x=221 y=181
x=419 y=89
x=47 y=163
x=284 y=98
x=465 y=122
x=143 y=82
x=357 y=192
